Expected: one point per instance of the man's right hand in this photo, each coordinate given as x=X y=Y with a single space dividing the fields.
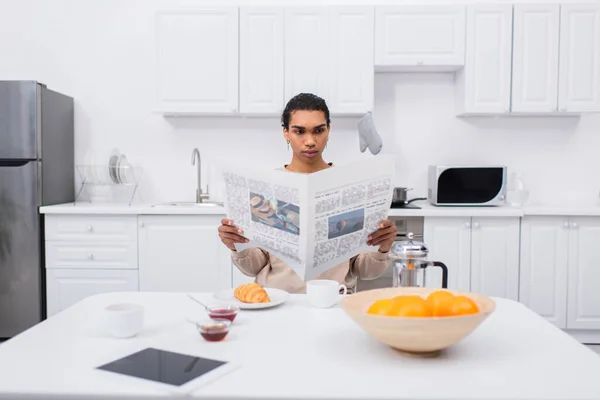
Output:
x=230 y=234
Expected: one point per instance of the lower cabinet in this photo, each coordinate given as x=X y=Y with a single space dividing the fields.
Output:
x=482 y=254
x=549 y=263
x=88 y=255
x=65 y=287
x=237 y=278
x=560 y=269
x=182 y=253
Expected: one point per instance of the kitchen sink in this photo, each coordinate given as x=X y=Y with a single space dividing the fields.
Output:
x=190 y=204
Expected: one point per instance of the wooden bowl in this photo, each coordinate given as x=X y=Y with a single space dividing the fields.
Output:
x=415 y=335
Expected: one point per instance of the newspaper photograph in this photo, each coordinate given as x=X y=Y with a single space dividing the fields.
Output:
x=311 y=221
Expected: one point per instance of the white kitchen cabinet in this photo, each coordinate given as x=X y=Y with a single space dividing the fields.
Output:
x=544 y=267
x=65 y=287
x=560 y=278
x=91 y=255
x=352 y=73
x=495 y=257
x=413 y=37
x=90 y=228
x=87 y=255
x=197 y=61
x=449 y=241
x=329 y=52
x=535 y=58
x=306 y=51
x=579 y=66
x=583 y=307
x=261 y=60
x=237 y=278
x=182 y=253
x=482 y=254
x=483 y=86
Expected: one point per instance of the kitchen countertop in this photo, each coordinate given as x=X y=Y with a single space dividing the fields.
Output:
x=426 y=210
x=298 y=352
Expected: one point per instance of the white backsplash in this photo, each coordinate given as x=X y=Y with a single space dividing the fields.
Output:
x=101 y=53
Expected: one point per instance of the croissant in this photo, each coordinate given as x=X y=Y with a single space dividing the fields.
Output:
x=251 y=293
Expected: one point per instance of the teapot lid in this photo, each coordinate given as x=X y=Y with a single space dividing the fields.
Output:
x=410 y=248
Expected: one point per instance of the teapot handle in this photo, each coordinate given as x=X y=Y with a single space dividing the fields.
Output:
x=444 y=273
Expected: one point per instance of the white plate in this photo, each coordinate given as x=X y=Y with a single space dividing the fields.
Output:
x=277 y=297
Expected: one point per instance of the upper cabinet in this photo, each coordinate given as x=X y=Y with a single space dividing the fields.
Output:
x=352 y=74
x=483 y=85
x=535 y=58
x=556 y=59
x=538 y=59
x=327 y=51
x=197 y=61
x=306 y=55
x=420 y=37
x=261 y=60
x=579 y=66
x=522 y=59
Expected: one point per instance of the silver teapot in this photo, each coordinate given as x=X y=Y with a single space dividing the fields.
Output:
x=409 y=263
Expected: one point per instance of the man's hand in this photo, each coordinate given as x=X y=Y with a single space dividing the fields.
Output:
x=230 y=234
x=384 y=236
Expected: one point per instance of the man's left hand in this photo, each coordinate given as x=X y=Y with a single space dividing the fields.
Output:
x=384 y=236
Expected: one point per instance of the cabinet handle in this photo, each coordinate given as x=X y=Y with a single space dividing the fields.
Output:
x=476 y=225
x=467 y=224
x=90 y=228
x=566 y=224
x=91 y=256
x=574 y=225
x=141 y=224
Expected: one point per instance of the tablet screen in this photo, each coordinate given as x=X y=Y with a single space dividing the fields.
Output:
x=163 y=366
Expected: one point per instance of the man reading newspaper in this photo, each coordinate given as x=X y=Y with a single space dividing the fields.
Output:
x=310 y=219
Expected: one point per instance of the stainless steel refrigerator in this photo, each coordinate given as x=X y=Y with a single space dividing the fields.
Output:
x=36 y=169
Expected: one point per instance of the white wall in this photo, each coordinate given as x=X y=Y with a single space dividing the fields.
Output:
x=101 y=53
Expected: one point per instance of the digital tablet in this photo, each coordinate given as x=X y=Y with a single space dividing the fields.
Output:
x=176 y=372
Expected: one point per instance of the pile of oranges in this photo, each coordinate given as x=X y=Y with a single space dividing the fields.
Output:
x=439 y=303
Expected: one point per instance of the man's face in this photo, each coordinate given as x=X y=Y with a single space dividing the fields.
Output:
x=307 y=134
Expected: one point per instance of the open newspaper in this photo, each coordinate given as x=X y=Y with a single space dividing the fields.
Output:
x=311 y=221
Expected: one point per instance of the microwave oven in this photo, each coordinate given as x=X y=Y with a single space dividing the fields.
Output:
x=467 y=185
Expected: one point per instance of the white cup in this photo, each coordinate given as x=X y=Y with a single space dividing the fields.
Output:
x=124 y=320
x=324 y=293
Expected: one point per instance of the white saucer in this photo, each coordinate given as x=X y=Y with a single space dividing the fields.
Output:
x=277 y=297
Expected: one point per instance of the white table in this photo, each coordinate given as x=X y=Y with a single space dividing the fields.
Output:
x=298 y=352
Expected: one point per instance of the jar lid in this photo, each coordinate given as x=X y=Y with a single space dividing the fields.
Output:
x=410 y=248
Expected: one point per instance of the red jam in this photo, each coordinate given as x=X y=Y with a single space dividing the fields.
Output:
x=214 y=333
x=223 y=313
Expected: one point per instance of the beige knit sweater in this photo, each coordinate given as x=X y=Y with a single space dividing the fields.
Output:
x=272 y=272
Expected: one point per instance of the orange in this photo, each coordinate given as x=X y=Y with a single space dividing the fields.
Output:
x=380 y=307
x=462 y=305
x=440 y=302
x=410 y=306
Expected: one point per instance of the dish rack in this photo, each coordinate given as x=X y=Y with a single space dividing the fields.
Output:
x=108 y=184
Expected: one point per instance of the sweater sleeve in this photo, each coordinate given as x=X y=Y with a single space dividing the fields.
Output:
x=371 y=265
x=250 y=261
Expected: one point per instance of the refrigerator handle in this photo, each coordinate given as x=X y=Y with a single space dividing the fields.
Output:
x=14 y=163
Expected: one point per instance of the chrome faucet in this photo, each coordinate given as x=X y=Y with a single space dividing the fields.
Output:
x=200 y=197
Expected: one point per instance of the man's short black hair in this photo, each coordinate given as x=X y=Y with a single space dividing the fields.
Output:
x=303 y=101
